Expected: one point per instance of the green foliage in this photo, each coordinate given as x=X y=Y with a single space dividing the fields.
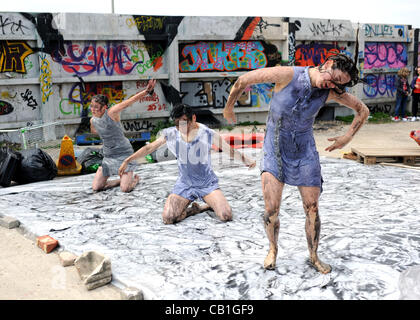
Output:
x=249 y=123
x=346 y=119
x=377 y=117
x=11 y=145
x=159 y=126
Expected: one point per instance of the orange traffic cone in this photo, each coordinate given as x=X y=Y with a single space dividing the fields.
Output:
x=66 y=163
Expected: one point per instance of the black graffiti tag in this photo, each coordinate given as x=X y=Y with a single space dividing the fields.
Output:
x=27 y=97
x=14 y=27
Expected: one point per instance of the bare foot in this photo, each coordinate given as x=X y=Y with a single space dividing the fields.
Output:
x=136 y=179
x=205 y=207
x=270 y=260
x=194 y=209
x=321 y=266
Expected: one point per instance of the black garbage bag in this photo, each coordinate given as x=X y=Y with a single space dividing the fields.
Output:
x=90 y=159
x=9 y=160
x=36 y=165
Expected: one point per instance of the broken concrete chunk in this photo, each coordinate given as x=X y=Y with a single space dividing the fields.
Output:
x=67 y=258
x=94 y=269
x=131 y=293
x=9 y=222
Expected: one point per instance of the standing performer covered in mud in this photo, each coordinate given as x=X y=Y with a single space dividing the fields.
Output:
x=289 y=152
x=191 y=143
x=116 y=147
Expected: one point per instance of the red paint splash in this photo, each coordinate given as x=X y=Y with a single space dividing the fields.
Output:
x=157 y=63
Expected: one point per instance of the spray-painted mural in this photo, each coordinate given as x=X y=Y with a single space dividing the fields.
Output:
x=215 y=94
x=385 y=55
x=224 y=56
x=56 y=67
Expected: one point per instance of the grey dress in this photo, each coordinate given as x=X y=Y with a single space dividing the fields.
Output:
x=116 y=146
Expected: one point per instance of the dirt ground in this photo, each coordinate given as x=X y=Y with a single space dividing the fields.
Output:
x=26 y=272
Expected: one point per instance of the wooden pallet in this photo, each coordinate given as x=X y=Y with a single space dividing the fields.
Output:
x=407 y=156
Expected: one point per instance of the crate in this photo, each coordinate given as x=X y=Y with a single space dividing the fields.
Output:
x=407 y=156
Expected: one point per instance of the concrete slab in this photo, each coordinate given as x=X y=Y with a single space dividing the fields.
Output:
x=369 y=233
x=9 y=222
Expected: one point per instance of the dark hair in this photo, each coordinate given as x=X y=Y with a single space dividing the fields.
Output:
x=101 y=99
x=180 y=109
x=345 y=64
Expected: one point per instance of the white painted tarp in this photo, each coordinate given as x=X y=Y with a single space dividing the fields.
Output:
x=369 y=233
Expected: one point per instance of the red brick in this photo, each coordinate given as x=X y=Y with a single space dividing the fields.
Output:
x=46 y=243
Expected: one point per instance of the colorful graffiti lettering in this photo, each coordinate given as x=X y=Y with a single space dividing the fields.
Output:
x=84 y=60
x=379 y=84
x=113 y=90
x=12 y=56
x=382 y=30
x=155 y=60
x=385 y=55
x=222 y=56
x=314 y=54
x=67 y=107
x=45 y=78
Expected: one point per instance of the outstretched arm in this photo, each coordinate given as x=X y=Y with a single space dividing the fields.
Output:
x=362 y=113
x=92 y=128
x=220 y=143
x=142 y=152
x=279 y=75
x=114 y=112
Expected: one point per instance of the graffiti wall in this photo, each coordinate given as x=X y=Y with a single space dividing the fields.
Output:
x=50 y=67
x=312 y=41
x=385 y=51
x=215 y=93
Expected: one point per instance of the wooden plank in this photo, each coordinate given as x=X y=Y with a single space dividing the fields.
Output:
x=408 y=156
x=400 y=165
x=384 y=152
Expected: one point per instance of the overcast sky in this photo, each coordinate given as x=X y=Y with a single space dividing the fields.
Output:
x=363 y=11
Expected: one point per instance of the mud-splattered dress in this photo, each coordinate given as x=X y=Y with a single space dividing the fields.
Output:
x=289 y=151
x=116 y=146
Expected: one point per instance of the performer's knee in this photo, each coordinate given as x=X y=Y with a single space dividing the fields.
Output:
x=270 y=215
x=226 y=214
x=311 y=208
x=125 y=188
x=96 y=186
x=168 y=218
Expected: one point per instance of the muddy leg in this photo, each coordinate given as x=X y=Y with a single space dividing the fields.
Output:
x=272 y=191
x=176 y=209
x=100 y=182
x=310 y=197
x=128 y=181
x=217 y=202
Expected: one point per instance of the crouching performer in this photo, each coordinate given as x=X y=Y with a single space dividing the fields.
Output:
x=191 y=143
x=116 y=147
